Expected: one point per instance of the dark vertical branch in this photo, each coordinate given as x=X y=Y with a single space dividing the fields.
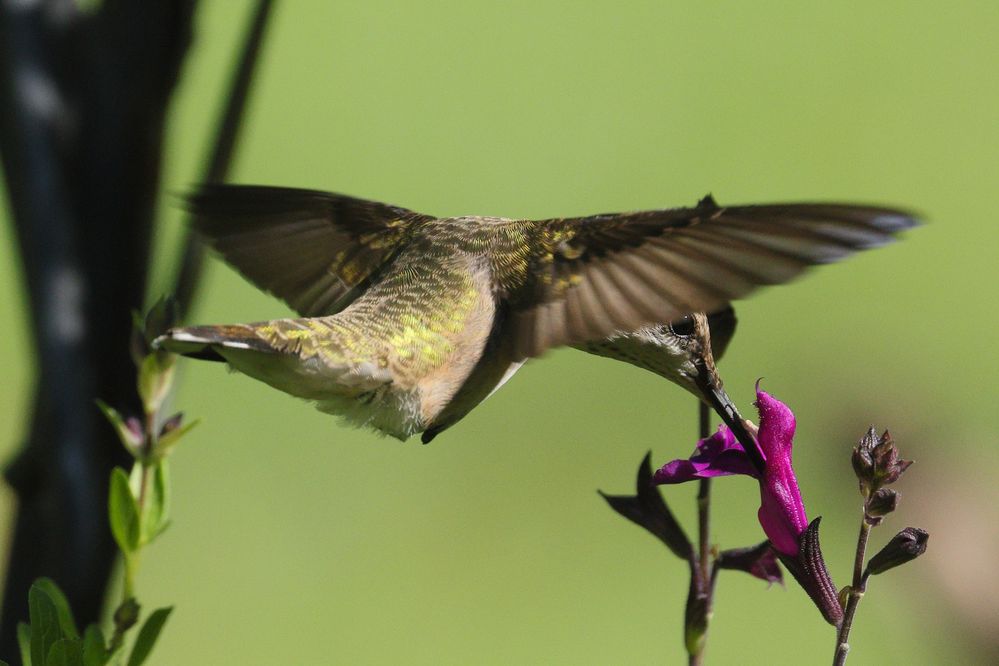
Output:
x=217 y=168
x=83 y=102
x=51 y=478
x=82 y=108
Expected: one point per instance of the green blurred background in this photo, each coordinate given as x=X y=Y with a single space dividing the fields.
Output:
x=299 y=541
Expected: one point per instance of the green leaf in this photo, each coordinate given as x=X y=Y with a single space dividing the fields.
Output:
x=123 y=512
x=169 y=439
x=95 y=652
x=44 y=617
x=156 y=510
x=147 y=636
x=66 y=622
x=24 y=642
x=65 y=652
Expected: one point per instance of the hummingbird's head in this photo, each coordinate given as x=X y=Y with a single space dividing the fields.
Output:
x=684 y=352
x=681 y=351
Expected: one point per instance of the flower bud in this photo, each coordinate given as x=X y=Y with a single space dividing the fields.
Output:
x=695 y=624
x=863 y=464
x=127 y=614
x=907 y=545
x=881 y=503
x=129 y=429
x=172 y=423
x=876 y=462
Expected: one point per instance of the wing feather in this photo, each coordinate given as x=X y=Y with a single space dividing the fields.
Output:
x=618 y=272
x=314 y=250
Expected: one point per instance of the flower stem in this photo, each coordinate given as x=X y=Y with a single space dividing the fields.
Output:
x=126 y=615
x=854 y=596
x=704 y=504
x=702 y=576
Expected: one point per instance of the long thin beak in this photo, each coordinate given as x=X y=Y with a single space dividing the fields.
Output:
x=716 y=396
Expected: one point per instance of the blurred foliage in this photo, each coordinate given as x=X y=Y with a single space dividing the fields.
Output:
x=297 y=540
x=138 y=510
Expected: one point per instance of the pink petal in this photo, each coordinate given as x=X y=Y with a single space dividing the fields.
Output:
x=718 y=455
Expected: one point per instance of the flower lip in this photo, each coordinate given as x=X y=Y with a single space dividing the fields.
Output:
x=718 y=455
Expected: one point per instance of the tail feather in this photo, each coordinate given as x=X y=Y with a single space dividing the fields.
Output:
x=202 y=341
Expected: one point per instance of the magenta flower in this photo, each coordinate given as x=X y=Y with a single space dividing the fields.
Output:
x=782 y=513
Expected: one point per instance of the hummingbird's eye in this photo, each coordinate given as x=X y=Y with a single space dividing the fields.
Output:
x=682 y=327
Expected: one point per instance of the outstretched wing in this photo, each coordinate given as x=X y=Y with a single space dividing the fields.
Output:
x=315 y=250
x=593 y=276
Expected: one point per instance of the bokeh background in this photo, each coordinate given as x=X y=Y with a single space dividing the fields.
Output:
x=299 y=541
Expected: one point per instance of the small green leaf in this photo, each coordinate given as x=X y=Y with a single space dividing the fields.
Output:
x=95 y=652
x=147 y=636
x=66 y=622
x=157 y=508
x=123 y=512
x=3 y=663
x=44 y=617
x=169 y=439
x=65 y=652
x=24 y=642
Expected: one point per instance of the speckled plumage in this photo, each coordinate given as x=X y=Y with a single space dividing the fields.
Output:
x=409 y=321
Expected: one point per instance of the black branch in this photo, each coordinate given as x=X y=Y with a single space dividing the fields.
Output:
x=83 y=104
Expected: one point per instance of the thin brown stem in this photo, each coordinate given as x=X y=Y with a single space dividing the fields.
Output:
x=701 y=574
x=704 y=504
x=854 y=596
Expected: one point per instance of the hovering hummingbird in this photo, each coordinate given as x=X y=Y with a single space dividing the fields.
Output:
x=408 y=321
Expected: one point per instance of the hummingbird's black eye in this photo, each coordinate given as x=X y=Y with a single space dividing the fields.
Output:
x=682 y=327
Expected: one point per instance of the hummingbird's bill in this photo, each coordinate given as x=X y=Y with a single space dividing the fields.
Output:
x=408 y=321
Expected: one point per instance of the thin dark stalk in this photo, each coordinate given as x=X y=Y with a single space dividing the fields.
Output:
x=219 y=162
x=704 y=502
x=702 y=573
x=856 y=593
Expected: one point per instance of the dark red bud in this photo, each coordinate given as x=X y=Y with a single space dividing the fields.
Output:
x=881 y=503
x=907 y=545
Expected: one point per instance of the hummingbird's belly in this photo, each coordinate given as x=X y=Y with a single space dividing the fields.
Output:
x=362 y=394
x=393 y=412
x=395 y=359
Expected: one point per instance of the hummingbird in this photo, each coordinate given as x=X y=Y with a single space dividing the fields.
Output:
x=408 y=321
